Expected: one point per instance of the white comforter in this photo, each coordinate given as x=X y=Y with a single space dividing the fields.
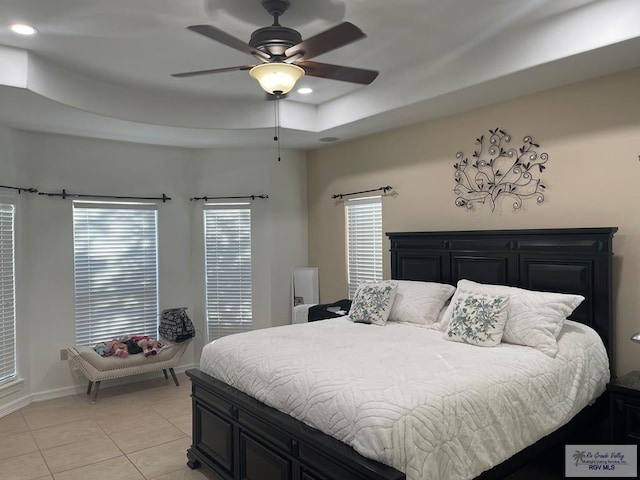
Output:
x=404 y=396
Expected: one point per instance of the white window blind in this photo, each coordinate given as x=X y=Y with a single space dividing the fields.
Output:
x=116 y=271
x=228 y=269
x=364 y=241
x=7 y=295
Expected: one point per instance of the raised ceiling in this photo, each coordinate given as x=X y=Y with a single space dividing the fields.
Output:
x=103 y=68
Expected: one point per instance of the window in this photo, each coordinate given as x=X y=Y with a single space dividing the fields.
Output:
x=227 y=230
x=116 y=270
x=364 y=241
x=7 y=295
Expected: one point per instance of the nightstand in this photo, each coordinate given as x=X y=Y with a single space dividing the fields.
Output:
x=624 y=407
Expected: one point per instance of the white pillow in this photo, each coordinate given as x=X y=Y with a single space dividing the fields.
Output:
x=419 y=302
x=443 y=318
x=372 y=302
x=477 y=319
x=534 y=318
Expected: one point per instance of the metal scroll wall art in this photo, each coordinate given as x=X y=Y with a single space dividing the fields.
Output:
x=499 y=171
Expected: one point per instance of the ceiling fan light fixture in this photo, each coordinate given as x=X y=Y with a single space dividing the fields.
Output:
x=277 y=78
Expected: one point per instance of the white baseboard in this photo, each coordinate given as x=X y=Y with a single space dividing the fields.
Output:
x=14 y=406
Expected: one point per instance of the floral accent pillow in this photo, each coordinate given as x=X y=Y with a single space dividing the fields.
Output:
x=477 y=319
x=372 y=302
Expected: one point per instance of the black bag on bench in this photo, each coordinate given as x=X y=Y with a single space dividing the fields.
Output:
x=175 y=325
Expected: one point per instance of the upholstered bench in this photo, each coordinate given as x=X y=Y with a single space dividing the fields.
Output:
x=97 y=368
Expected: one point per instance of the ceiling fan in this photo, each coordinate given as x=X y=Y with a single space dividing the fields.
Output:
x=284 y=55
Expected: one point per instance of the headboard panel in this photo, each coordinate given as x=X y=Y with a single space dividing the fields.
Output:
x=572 y=260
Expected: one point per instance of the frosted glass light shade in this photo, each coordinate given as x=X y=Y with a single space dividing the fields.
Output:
x=636 y=337
x=277 y=77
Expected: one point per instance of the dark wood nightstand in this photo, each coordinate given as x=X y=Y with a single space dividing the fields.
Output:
x=624 y=401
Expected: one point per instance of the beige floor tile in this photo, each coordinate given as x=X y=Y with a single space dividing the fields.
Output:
x=46 y=477
x=119 y=468
x=129 y=421
x=54 y=412
x=79 y=454
x=24 y=467
x=13 y=423
x=114 y=407
x=162 y=459
x=184 y=423
x=187 y=474
x=16 y=444
x=72 y=432
x=139 y=436
x=60 y=402
x=173 y=407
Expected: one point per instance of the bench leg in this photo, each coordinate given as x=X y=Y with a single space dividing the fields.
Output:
x=89 y=387
x=166 y=377
x=173 y=375
x=95 y=393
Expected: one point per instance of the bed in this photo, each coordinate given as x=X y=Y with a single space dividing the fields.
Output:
x=238 y=436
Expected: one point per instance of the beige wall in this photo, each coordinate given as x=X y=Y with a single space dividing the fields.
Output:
x=591 y=131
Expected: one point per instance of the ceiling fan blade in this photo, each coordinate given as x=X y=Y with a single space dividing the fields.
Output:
x=339 y=72
x=214 y=70
x=326 y=41
x=229 y=40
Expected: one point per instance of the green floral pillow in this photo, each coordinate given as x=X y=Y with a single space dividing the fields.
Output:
x=477 y=319
x=372 y=302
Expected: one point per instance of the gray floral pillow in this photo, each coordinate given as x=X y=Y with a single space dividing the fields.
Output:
x=478 y=320
x=372 y=302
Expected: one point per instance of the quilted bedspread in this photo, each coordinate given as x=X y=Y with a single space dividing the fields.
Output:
x=404 y=396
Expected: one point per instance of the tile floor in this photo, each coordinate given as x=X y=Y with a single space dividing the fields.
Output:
x=139 y=431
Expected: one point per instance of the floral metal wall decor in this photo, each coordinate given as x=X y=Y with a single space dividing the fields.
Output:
x=499 y=172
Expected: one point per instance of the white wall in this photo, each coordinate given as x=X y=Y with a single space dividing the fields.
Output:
x=45 y=245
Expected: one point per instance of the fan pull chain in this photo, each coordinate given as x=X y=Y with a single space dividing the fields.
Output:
x=276 y=111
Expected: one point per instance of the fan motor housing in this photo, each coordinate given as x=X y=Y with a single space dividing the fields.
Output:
x=274 y=39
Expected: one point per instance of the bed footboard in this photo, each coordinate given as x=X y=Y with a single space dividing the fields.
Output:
x=238 y=437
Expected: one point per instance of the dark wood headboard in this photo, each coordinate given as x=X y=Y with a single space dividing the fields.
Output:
x=572 y=260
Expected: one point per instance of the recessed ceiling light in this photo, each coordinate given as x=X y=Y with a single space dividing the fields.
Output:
x=23 y=29
x=329 y=139
x=305 y=90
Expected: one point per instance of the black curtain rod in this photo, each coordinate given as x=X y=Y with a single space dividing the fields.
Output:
x=20 y=189
x=341 y=195
x=243 y=197
x=66 y=194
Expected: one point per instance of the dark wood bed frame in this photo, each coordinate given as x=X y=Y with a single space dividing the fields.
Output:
x=238 y=437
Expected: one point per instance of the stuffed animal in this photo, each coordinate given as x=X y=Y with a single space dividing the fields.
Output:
x=118 y=348
x=102 y=349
